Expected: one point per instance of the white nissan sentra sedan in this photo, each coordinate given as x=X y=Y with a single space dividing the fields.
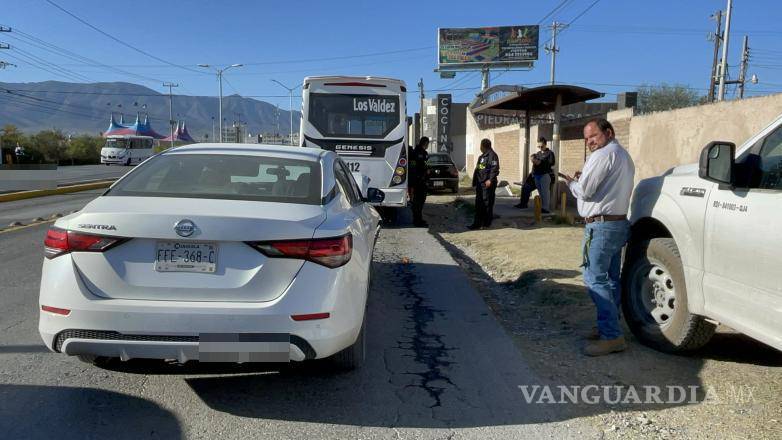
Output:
x=215 y=252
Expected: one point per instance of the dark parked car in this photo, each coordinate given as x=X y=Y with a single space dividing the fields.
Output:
x=442 y=173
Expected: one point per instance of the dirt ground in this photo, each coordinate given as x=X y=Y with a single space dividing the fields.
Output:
x=529 y=275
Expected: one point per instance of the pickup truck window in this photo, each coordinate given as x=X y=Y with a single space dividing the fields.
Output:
x=771 y=161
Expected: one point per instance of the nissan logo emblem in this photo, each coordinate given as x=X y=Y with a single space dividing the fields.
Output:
x=185 y=228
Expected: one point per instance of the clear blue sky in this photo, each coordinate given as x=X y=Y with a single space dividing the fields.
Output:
x=612 y=47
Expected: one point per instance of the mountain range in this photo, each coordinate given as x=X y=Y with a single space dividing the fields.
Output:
x=78 y=108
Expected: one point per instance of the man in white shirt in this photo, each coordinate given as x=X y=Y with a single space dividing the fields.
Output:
x=603 y=191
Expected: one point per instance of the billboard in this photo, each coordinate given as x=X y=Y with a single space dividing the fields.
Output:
x=502 y=45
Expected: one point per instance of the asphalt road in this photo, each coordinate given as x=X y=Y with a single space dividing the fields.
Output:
x=439 y=366
x=80 y=173
x=27 y=210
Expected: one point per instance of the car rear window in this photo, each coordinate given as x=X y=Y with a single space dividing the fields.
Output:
x=220 y=176
x=439 y=159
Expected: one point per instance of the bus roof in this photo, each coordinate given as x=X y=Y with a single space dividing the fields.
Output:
x=311 y=79
x=126 y=136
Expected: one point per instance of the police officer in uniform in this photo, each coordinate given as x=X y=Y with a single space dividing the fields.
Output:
x=484 y=180
x=418 y=175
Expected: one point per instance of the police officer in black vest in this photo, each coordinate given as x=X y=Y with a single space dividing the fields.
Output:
x=418 y=176
x=484 y=180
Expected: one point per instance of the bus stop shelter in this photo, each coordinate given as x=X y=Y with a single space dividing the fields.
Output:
x=538 y=101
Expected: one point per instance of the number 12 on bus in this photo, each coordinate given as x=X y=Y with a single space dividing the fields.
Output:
x=364 y=120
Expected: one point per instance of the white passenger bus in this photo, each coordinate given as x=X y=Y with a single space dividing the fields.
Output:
x=127 y=149
x=364 y=120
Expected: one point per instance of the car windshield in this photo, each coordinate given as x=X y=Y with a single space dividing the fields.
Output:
x=219 y=176
x=439 y=159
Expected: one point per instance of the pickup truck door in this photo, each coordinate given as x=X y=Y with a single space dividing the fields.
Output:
x=743 y=245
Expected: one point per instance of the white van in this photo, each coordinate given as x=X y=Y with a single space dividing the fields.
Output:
x=127 y=149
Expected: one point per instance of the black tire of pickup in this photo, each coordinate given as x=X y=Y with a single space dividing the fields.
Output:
x=683 y=331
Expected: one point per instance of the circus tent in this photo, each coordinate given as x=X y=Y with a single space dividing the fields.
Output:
x=138 y=128
x=181 y=134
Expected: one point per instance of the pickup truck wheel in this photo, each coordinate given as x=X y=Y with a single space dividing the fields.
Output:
x=654 y=299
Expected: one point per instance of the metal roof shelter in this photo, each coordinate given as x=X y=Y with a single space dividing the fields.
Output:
x=536 y=100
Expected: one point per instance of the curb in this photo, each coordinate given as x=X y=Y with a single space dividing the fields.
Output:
x=10 y=197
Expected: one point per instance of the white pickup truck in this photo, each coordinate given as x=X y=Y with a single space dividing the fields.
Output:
x=706 y=247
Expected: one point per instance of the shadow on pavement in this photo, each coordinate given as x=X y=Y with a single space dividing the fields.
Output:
x=39 y=412
x=437 y=359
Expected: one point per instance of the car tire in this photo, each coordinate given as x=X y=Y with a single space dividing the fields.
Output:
x=654 y=298
x=455 y=189
x=127 y=162
x=98 y=361
x=353 y=357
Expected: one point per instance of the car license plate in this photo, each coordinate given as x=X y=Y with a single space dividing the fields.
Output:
x=185 y=256
x=438 y=183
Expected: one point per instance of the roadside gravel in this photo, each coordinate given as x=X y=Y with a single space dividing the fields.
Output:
x=529 y=275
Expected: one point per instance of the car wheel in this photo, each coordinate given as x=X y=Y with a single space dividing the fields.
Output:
x=353 y=357
x=127 y=162
x=654 y=298
x=454 y=189
x=98 y=361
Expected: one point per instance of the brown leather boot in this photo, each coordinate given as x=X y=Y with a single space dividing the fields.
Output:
x=605 y=346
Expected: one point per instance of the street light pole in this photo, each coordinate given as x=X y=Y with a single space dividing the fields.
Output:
x=290 y=106
x=170 y=109
x=220 y=80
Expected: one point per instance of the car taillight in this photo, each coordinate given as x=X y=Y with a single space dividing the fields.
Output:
x=60 y=241
x=400 y=172
x=454 y=171
x=330 y=252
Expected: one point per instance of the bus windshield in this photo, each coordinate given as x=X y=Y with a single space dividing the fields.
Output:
x=118 y=143
x=354 y=116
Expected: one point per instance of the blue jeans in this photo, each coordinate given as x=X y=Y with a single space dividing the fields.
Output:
x=543 y=184
x=602 y=253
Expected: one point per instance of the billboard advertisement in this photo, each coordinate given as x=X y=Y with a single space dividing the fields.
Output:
x=502 y=45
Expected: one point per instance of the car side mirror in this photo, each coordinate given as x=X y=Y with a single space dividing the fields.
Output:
x=375 y=195
x=717 y=162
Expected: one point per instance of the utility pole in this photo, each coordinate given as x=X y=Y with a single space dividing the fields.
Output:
x=744 y=62
x=484 y=78
x=725 y=44
x=717 y=42
x=171 y=109
x=4 y=64
x=553 y=48
x=421 y=107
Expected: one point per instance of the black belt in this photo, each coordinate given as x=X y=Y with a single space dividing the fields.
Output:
x=605 y=218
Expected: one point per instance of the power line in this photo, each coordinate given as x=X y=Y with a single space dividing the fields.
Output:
x=24 y=59
x=345 y=57
x=65 y=53
x=69 y=72
x=553 y=11
x=117 y=39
